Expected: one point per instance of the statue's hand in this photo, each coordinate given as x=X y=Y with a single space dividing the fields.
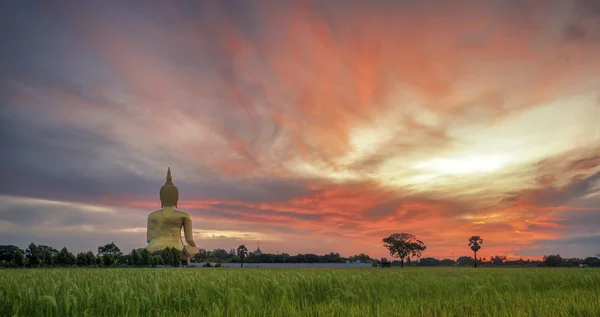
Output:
x=189 y=251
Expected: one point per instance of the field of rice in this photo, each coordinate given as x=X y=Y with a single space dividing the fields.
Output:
x=543 y=292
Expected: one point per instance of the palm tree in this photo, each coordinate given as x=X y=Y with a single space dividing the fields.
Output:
x=475 y=244
x=242 y=252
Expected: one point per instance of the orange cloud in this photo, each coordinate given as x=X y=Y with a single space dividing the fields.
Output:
x=442 y=125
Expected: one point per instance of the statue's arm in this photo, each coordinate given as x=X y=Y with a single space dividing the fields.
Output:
x=187 y=230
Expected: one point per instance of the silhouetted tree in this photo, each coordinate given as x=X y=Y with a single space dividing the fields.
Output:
x=18 y=259
x=65 y=258
x=447 y=262
x=90 y=258
x=498 y=259
x=108 y=259
x=136 y=258
x=404 y=245
x=475 y=244
x=7 y=252
x=221 y=254
x=145 y=254
x=110 y=248
x=48 y=258
x=552 y=260
x=464 y=260
x=32 y=253
x=81 y=259
x=592 y=261
x=429 y=262
x=242 y=253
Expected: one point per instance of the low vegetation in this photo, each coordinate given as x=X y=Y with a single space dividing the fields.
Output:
x=300 y=292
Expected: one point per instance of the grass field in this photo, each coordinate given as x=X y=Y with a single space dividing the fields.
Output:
x=300 y=292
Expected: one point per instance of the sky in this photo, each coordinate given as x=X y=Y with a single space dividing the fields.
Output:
x=310 y=126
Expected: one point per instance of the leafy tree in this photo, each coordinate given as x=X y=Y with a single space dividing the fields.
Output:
x=242 y=253
x=34 y=258
x=145 y=257
x=429 y=262
x=360 y=257
x=475 y=243
x=48 y=257
x=110 y=248
x=136 y=257
x=108 y=259
x=447 y=262
x=592 y=261
x=404 y=245
x=43 y=249
x=572 y=262
x=498 y=259
x=158 y=260
x=552 y=260
x=98 y=261
x=465 y=260
x=81 y=259
x=7 y=252
x=283 y=257
x=90 y=258
x=65 y=258
x=175 y=257
x=18 y=259
x=221 y=254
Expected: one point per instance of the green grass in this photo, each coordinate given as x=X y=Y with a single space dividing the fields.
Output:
x=300 y=292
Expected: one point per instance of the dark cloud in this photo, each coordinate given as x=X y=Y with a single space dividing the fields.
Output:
x=575 y=32
x=98 y=98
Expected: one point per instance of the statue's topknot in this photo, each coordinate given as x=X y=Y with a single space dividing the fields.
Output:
x=169 y=194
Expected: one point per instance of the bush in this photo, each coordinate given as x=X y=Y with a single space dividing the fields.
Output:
x=207 y=264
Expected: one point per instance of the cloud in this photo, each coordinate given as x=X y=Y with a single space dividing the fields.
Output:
x=307 y=123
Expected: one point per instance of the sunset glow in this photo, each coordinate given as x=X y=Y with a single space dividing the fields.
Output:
x=312 y=126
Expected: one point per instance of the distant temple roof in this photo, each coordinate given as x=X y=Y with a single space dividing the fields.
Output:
x=258 y=251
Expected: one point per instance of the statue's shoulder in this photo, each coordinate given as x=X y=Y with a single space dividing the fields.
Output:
x=154 y=214
x=182 y=213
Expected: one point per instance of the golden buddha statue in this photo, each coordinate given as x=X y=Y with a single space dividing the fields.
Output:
x=164 y=225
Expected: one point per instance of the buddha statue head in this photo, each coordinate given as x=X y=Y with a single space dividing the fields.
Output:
x=169 y=194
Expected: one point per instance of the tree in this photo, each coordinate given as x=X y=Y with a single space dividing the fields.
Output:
x=221 y=254
x=404 y=245
x=34 y=258
x=48 y=257
x=90 y=258
x=81 y=259
x=464 y=260
x=242 y=252
x=447 y=262
x=498 y=259
x=18 y=259
x=552 y=260
x=175 y=256
x=592 y=261
x=136 y=258
x=110 y=248
x=43 y=249
x=7 y=252
x=65 y=258
x=145 y=254
x=429 y=262
x=475 y=243
x=108 y=259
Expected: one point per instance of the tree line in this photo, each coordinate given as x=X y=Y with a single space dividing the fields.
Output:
x=405 y=247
